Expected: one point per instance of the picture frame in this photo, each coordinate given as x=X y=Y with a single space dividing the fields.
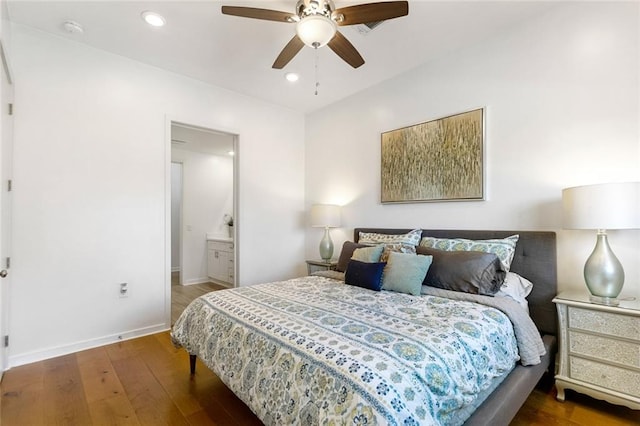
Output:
x=438 y=160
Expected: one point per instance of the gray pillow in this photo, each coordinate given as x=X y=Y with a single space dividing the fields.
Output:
x=345 y=255
x=405 y=272
x=465 y=271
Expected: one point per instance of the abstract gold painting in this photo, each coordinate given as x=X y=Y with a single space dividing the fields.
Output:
x=439 y=160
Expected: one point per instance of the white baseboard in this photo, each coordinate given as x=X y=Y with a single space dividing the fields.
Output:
x=200 y=280
x=28 y=358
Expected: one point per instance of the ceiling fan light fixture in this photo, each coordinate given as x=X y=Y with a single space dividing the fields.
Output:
x=316 y=30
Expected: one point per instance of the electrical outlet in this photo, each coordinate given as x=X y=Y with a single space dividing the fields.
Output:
x=124 y=289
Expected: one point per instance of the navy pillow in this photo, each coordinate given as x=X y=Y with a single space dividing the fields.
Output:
x=363 y=274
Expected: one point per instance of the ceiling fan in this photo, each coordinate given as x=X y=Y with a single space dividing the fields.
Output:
x=317 y=23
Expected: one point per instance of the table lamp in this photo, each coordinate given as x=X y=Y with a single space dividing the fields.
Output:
x=602 y=207
x=325 y=216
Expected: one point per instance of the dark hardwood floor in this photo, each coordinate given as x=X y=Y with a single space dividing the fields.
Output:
x=146 y=381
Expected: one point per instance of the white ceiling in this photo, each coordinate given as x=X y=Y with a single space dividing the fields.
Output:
x=237 y=53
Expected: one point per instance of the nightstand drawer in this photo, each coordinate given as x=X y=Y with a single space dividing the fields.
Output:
x=608 y=376
x=604 y=323
x=626 y=353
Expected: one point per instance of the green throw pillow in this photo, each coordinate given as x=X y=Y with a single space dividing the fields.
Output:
x=405 y=272
x=367 y=254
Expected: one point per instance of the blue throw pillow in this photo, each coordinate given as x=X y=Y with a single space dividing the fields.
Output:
x=363 y=274
x=405 y=272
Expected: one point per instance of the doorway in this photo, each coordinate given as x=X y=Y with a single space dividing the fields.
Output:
x=203 y=250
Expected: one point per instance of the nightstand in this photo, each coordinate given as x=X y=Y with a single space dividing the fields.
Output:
x=320 y=265
x=599 y=349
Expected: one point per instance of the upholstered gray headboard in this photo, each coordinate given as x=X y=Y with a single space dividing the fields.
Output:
x=535 y=259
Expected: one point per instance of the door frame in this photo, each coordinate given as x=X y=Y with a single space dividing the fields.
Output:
x=6 y=160
x=211 y=127
x=180 y=261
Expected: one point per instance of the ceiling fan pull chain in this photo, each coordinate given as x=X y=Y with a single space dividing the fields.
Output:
x=317 y=82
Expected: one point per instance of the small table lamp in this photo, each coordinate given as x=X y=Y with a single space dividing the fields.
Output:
x=325 y=216
x=602 y=207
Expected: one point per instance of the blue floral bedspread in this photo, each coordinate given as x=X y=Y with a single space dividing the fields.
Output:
x=314 y=351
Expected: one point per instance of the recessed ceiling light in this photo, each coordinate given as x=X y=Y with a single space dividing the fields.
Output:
x=153 y=18
x=231 y=153
x=292 y=77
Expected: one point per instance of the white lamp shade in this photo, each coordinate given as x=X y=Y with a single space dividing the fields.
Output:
x=325 y=215
x=316 y=29
x=603 y=206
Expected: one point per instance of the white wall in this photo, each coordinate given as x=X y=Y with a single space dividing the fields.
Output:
x=207 y=197
x=561 y=94
x=92 y=184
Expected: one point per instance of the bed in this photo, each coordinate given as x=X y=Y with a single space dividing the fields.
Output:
x=313 y=350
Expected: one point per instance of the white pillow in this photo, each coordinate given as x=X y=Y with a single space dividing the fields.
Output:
x=411 y=238
x=504 y=248
x=516 y=288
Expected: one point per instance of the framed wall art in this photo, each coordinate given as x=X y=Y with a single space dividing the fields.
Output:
x=439 y=160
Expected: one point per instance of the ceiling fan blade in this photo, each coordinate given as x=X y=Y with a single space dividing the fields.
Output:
x=372 y=12
x=343 y=48
x=252 y=12
x=290 y=50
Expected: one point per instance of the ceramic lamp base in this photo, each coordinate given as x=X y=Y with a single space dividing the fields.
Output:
x=603 y=271
x=326 y=246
